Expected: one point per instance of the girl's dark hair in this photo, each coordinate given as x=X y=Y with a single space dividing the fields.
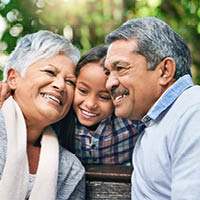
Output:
x=65 y=129
x=94 y=55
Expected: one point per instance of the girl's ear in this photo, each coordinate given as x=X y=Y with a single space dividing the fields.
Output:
x=12 y=76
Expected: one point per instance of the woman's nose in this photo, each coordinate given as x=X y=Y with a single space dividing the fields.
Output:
x=59 y=84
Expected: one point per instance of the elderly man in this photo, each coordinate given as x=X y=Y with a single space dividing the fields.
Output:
x=149 y=78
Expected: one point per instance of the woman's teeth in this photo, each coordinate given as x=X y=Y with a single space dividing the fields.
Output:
x=47 y=96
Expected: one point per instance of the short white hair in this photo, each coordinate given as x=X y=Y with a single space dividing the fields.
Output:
x=36 y=46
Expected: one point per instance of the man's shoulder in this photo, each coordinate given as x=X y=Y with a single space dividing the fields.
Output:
x=190 y=96
x=188 y=102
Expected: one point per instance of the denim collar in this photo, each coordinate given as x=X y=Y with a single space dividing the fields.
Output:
x=168 y=97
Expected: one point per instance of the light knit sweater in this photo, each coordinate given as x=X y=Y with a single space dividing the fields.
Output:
x=71 y=180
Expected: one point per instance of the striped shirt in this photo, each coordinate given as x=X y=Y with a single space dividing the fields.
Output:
x=111 y=143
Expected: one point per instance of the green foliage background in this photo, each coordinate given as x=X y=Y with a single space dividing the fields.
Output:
x=91 y=20
x=1 y=75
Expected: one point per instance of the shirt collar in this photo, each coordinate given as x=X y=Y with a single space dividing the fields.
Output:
x=168 y=97
x=102 y=129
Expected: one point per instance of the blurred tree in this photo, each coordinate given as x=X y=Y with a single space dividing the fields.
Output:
x=86 y=22
x=1 y=75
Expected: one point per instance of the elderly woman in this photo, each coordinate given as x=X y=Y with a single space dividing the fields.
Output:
x=40 y=73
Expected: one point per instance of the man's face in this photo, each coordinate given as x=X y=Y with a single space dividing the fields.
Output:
x=133 y=87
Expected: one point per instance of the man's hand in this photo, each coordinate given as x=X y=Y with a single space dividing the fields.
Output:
x=5 y=92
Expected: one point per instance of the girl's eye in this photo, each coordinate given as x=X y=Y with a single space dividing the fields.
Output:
x=71 y=82
x=50 y=72
x=105 y=97
x=83 y=91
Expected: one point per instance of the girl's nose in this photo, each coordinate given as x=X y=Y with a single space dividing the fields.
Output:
x=91 y=103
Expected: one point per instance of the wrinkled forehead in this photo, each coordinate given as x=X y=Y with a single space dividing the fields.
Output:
x=120 y=51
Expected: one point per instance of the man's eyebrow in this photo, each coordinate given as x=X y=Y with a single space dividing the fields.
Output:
x=119 y=62
x=114 y=64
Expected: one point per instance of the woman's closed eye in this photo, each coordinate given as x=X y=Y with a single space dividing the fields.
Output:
x=50 y=72
x=71 y=82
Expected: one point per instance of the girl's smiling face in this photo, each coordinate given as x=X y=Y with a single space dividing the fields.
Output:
x=92 y=102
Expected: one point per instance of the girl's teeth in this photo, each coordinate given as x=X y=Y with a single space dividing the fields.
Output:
x=89 y=114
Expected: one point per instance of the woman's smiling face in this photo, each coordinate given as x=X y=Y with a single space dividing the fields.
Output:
x=45 y=92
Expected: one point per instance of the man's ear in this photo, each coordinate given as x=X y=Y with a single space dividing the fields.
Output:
x=167 y=69
x=12 y=76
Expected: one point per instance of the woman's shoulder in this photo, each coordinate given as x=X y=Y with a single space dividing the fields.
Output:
x=70 y=171
x=3 y=143
x=71 y=176
x=69 y=160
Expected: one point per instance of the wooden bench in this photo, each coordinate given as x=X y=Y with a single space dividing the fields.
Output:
x=108 y=182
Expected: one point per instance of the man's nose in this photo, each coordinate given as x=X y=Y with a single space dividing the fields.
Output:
x=112 y=83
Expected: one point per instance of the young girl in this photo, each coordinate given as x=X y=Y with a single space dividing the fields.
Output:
x=100 y=137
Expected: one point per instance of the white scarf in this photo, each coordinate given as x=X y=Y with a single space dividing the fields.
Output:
x=15 y=179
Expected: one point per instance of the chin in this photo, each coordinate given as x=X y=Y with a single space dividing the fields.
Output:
x=120 y=113
x=123 y=113
x=87 y=123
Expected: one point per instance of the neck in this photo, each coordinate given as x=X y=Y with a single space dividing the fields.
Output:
x=34 y=130
x=93 y=128
x=33 y=134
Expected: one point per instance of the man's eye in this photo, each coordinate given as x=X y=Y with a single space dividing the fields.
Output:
x=107 y=73
x=119 y=68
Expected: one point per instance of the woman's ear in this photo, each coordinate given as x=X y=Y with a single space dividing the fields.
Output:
x=12 y=76
x=167 y=68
